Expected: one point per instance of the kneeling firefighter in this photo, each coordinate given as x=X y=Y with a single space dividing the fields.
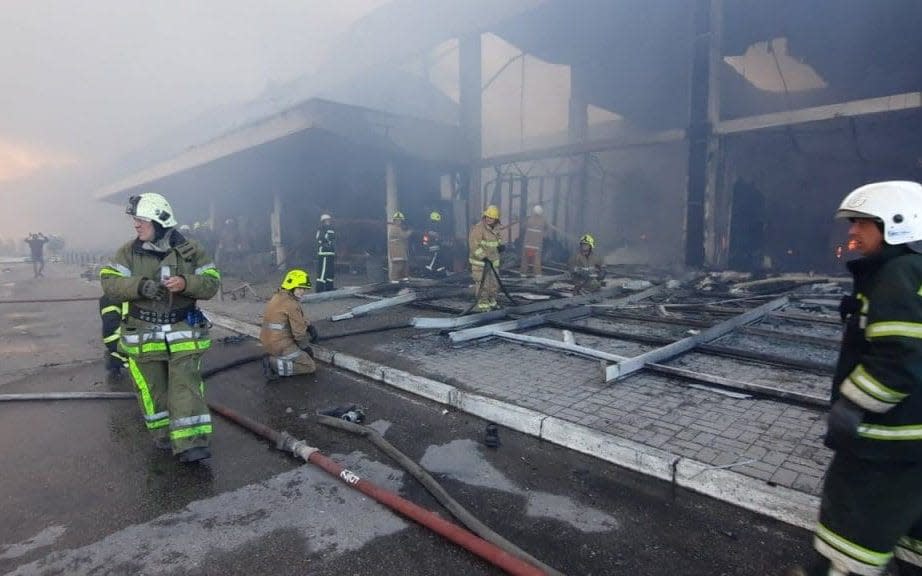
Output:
x=161 y=275
x=286 y=331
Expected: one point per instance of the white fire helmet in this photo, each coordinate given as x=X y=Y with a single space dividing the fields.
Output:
x=324 y=217
x=538 y=210
x=898 y=204
x=151 y=207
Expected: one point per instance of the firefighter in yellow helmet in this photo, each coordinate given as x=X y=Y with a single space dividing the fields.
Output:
x=161 y=274
x=286 y=332
x=485 y=245
x=397 y=236
x=586 y=269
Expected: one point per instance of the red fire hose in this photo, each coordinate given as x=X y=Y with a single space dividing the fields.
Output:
x=434 y=522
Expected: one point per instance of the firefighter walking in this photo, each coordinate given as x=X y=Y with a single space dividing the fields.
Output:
x=286 y=331
x=485 y=246
x=161 y=275
x=326 y=254
x=871 y=507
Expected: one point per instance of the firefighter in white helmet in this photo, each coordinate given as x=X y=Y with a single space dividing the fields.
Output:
x=536 y=227
x=485 y=245
x=326 y=254
x=286 y=332
x=871 y=506
x=161 y=274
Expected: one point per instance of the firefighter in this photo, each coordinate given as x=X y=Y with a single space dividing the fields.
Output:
x=397 y=235
x=286 y=331
x=36 y=244
x=112 y=313
x=326 y=254
x=871 y=506
x=533 y=241
x=433 y=243
x=485 y=245
x=586 y=268
x=161 y=275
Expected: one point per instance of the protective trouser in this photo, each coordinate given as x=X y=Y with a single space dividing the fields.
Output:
x=292 y=363
x=485 y=286
x=325 y=272
x=531 y=259
x=165 y=365
x=870 y=511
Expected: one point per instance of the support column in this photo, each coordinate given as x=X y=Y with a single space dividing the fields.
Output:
x=578 y=132
x=391 y=205
x=471 y=106
x=702 y=237
x=275 y=226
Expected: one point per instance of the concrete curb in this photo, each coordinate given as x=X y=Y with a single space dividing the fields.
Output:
x=778 y=502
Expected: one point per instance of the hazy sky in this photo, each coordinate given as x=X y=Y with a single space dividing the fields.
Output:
x=85 y=83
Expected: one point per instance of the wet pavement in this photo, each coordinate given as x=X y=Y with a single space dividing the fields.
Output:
x=83 y=490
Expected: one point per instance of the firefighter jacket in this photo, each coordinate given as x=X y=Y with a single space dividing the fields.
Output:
x=160 y=328
x=326 y=241
x=397 y=237
x=483 y=242
x=880 y=362
x=284 y=326
x=534 y=232
x=583 y=266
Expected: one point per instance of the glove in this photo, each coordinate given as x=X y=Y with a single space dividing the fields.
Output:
x=153 y=290
x=848 y=306
x=501 y=248
x=313 y=332
x=842 y=423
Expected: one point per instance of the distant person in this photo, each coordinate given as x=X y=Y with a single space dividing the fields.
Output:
x=326 y=254
x=871 y=507
x=586 y=269
x=286 y=332
x=533 y=242
x=398 y=235
x=433 y=242
x=162 y=275
x=36 y=244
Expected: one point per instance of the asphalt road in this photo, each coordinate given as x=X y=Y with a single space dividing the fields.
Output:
x=83 y=491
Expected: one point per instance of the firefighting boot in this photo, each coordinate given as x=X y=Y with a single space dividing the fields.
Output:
x=194 y=454
x=268 y=373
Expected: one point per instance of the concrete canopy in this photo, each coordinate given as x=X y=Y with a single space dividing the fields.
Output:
x=396 y=135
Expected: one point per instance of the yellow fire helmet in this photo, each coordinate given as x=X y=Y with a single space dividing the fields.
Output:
x=296 y=278
x=398 y=215
x=435 y=216
x=588 y=239
x=492 y=211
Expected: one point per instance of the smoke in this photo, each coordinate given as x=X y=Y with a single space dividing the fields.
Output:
x=87 y=84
